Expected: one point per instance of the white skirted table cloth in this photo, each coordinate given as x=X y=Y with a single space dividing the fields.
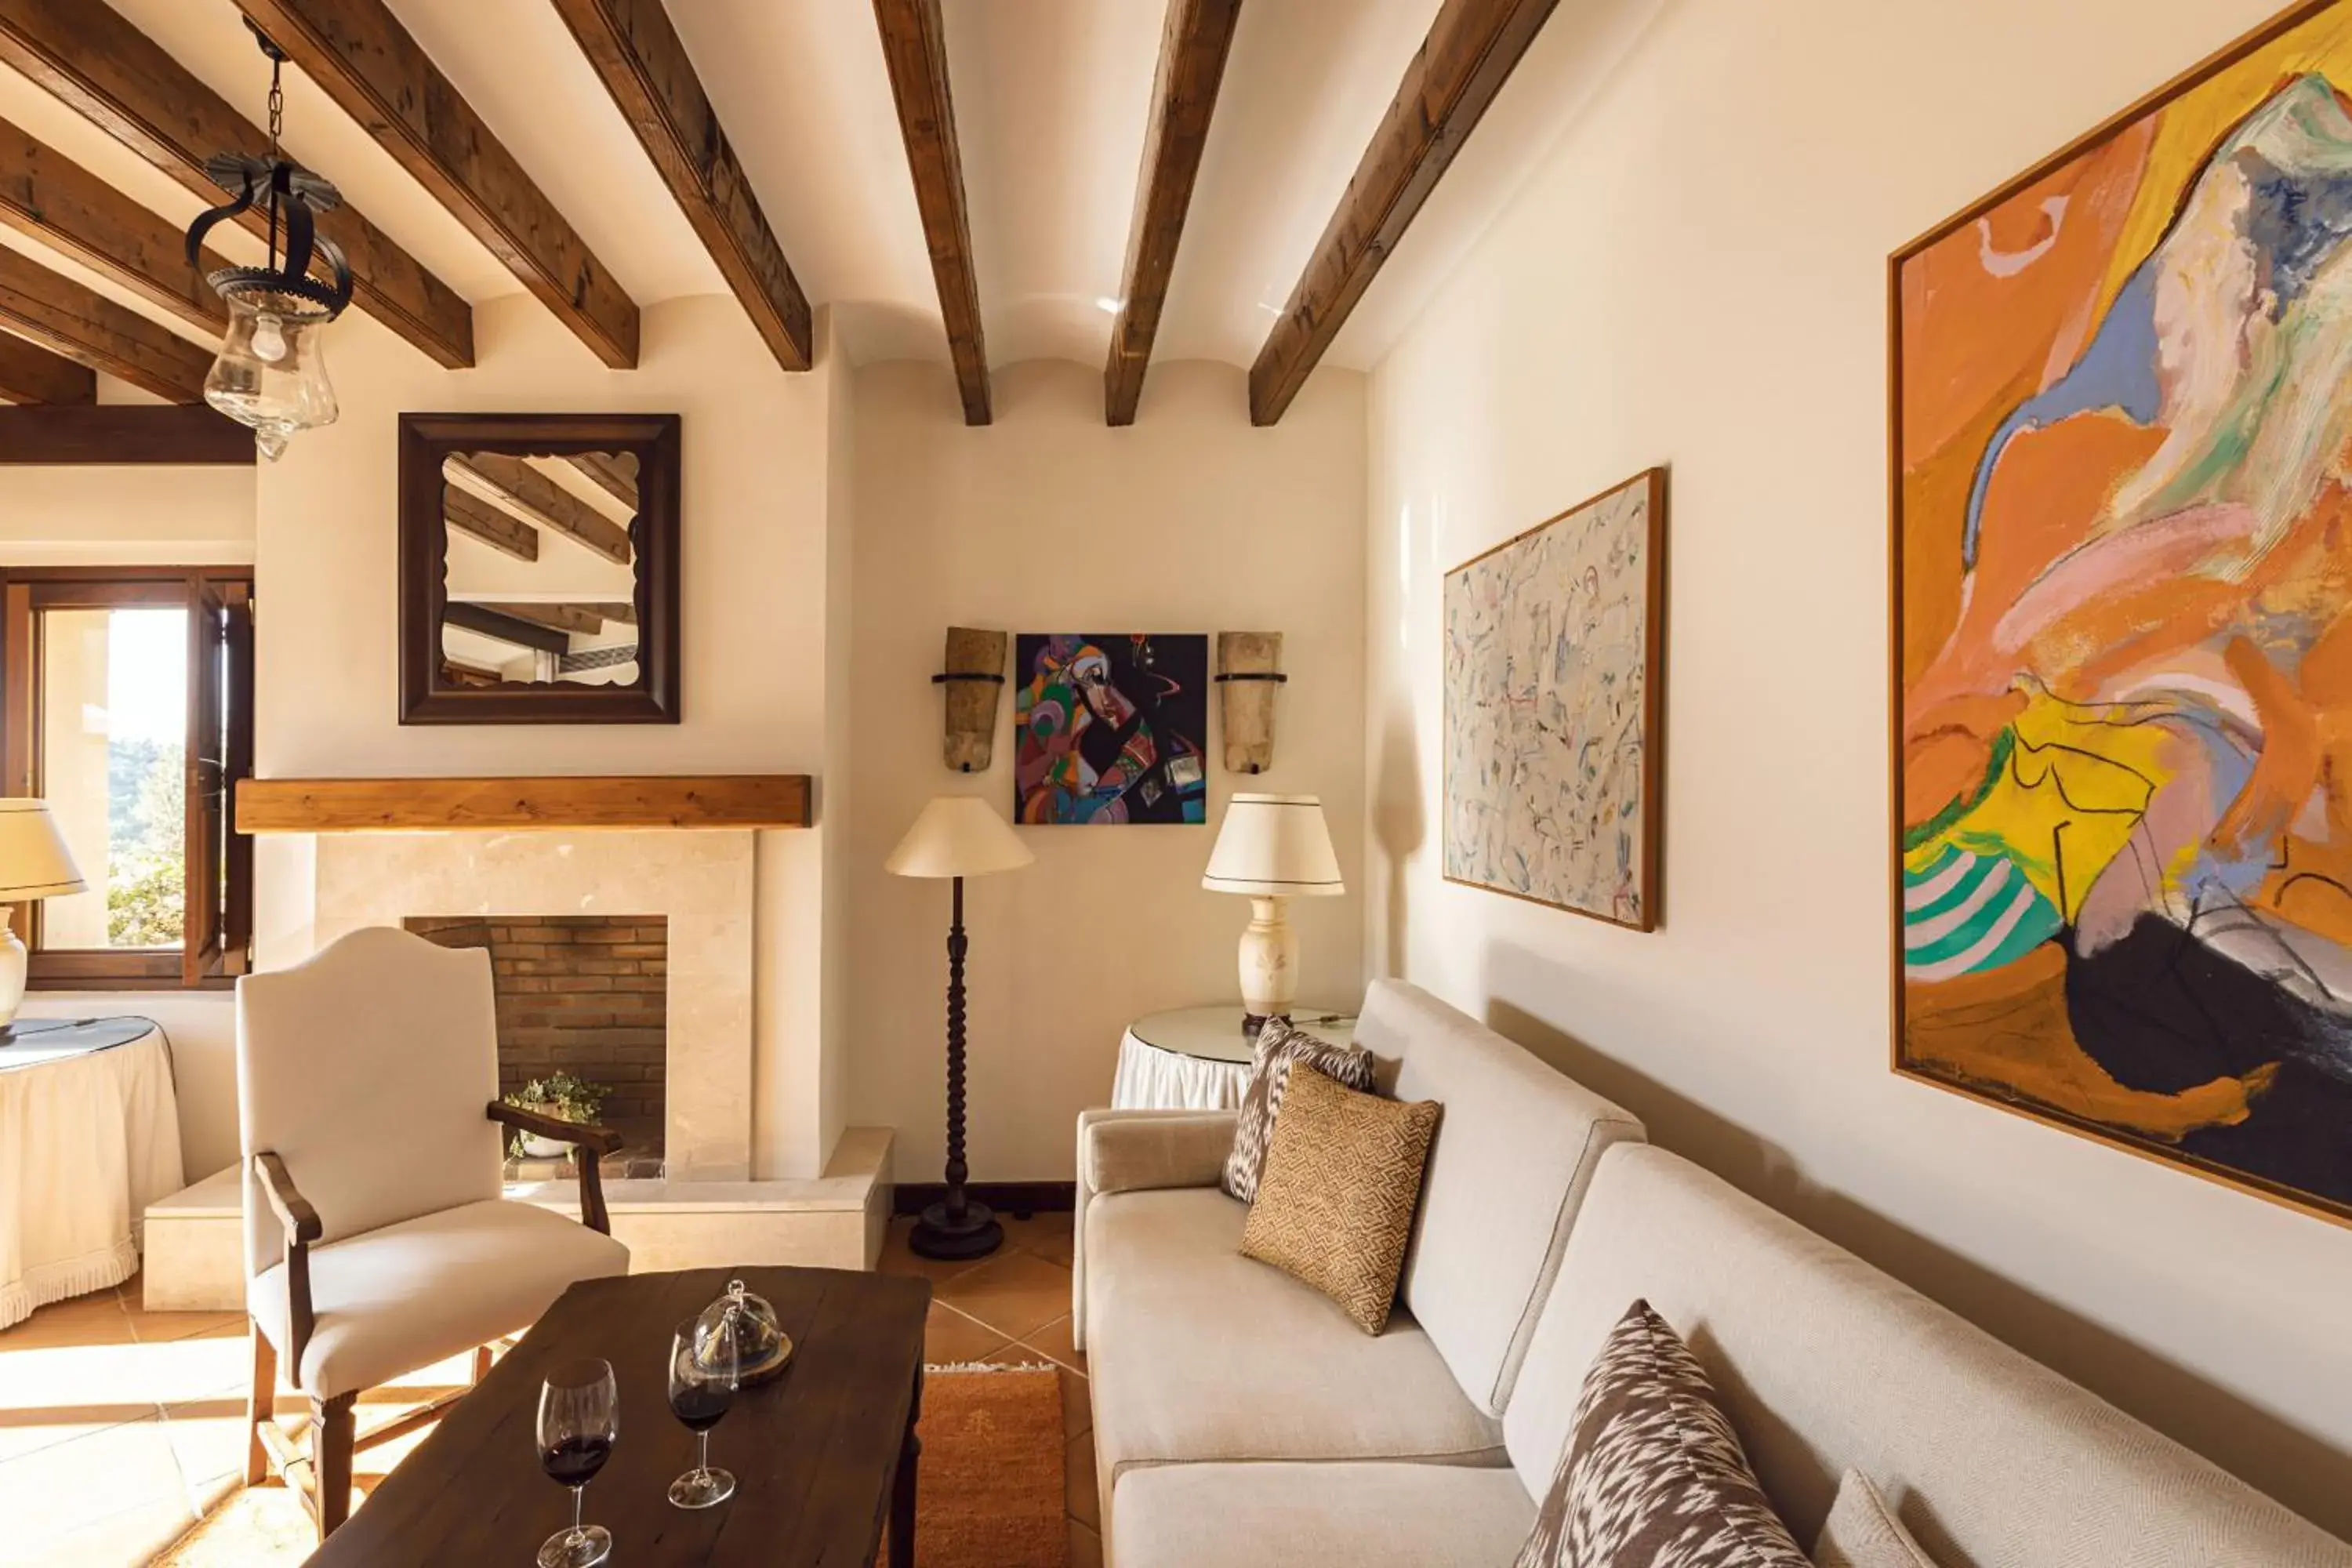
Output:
x=1197 y=1059
x=89 y=1135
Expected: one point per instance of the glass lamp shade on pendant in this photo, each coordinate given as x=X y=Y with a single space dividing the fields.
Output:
x=271 y=373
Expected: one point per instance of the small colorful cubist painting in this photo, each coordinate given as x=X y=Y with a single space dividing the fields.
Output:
x=1553 y=708
x=2122 y=877
x=1108 y=727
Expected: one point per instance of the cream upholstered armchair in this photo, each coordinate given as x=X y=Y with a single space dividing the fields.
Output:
x=376 y=1241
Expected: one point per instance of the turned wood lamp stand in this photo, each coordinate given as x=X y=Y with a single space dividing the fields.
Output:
x=957 y=837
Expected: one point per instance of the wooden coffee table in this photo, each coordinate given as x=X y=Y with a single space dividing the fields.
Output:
x=822 y=1455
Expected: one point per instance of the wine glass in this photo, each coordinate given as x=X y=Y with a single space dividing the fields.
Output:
x=704 y=1356
x=578 y=1417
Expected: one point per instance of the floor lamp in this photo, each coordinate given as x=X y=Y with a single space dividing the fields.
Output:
x=958 y=836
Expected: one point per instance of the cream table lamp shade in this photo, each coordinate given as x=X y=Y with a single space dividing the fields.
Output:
x=1273 y=845
x=33 y=863
x=958 y=836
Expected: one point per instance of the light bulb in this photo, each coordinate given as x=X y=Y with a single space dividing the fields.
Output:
x=268 y=339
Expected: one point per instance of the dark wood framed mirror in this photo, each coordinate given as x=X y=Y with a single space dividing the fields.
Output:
x=539 y=568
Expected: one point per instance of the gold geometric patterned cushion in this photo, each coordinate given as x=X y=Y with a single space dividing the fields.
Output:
x=1335 y=1203
x=1281 y=1048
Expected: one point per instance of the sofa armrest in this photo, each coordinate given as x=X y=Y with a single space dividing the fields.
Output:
x=1157 y=1149
x=1132 y=1150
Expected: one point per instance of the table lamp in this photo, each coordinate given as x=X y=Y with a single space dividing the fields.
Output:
x=33 y=864
x=957 y=836
x=1272 y=847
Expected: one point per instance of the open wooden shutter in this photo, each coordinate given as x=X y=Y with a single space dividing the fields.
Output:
x=220 y=661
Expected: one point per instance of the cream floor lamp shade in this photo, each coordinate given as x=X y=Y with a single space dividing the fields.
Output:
x=33 y=864
x=1272 y=849
x=957 y=836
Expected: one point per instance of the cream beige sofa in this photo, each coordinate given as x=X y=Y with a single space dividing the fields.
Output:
x=1241 y=1419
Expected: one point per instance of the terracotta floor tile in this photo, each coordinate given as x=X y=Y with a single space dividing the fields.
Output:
x=897 y=1259
x=1014 y=1291
x=131 y=1537
x=1046 y=1235
x=1053 y=1338
x=949 y=1337
x=1078 y=1476
x=59 y=1490
x=94 y=1319
x=1086 y=1547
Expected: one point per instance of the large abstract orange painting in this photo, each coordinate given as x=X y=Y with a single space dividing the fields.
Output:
x=2123 y=628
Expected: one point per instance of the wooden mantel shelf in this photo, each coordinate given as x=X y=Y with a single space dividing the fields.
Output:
x=410 y=806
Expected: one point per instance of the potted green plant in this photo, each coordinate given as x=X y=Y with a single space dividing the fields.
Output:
x=561 y=1096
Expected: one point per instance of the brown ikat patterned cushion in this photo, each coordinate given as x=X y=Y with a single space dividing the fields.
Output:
x=1335 y=1206
x=1654 y=1476
x=1279 y=1048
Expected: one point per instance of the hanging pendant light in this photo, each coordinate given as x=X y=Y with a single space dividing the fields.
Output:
x=271 y=374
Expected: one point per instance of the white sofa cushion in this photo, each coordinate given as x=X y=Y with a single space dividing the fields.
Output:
x=1825 y=1364
x=1514 y=1154
x=407 y=1295
x=1200 y=1354
x=1305 y=1515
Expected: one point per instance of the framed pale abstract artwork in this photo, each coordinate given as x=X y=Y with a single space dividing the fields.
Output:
x=2121 y=633
x=1555 y=709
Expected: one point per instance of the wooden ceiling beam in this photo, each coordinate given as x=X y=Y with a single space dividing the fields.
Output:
x=480 y=521
x=177 y=435
x=1193 y=44
x=1471 y=50
x=45 y=197
x=29 y=373
x=489 y=623
x=66 y=318
x=359 y=55
x=511 y=483
x=580 y=618
x=615 y=473
x=94 y=61
x=914 y=45
x=625 y=614
x=635 y=49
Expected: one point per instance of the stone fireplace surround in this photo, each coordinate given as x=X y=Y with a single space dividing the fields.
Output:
x=699 y=883
x=705 y=1211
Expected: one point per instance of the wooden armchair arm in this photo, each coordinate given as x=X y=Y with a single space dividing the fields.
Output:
x=588 y=1138
x=586 y=1134
x=302 y=1227
x=293 y=1210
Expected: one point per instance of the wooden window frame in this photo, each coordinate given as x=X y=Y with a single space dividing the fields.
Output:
x=217 y=930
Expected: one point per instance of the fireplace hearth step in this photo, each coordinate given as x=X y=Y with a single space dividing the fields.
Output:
x=194 y=1244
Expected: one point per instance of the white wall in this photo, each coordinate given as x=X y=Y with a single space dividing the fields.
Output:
x=1697 y=277
x=1048 y=520
x=754 y=613
x=134 y=515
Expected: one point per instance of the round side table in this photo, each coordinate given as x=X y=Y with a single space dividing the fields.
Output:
x=1197 y=1059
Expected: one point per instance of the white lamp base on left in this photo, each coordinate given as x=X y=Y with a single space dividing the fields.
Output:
x=1269 y=961
x=12 y=970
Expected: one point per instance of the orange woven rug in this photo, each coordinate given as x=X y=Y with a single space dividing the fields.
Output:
x=991 y=1494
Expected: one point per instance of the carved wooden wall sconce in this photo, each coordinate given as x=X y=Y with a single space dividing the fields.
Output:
x=1249 y=672
x=973 y=679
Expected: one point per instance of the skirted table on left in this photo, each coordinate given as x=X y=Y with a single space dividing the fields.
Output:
x=89 y=1135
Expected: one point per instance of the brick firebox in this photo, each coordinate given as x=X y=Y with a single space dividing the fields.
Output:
x=583 y=994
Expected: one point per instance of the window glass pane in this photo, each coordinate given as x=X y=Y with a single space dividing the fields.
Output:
x=114 y=719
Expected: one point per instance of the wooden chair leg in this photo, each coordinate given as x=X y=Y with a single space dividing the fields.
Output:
x=261 y=1404
x=331 y=1460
